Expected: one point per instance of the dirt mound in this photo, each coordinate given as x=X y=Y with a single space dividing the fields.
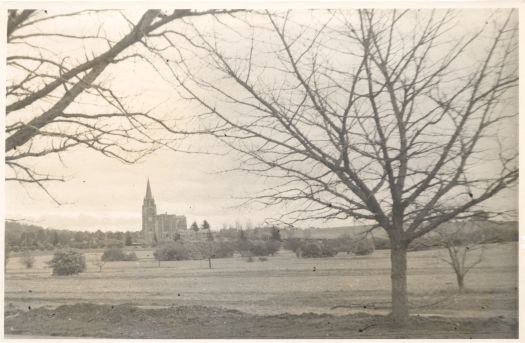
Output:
x=128 y=321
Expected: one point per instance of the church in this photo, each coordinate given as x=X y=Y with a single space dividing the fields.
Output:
x=159 y=227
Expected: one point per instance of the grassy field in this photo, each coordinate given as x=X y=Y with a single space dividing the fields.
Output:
x=341 y=285
x=284 y=283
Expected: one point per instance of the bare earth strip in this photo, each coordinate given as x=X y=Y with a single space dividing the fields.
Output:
x=125 y=321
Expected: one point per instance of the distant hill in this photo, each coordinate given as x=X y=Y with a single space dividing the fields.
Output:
x=491 y=228
x=335 y=232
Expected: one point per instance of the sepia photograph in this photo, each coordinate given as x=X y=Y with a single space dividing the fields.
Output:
x=260 y=171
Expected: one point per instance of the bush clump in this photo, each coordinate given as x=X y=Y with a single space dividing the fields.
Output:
x=426 y=243
x=172 y=251
x=28 y=260
x=131 y=256
x=221 y=249
x=67 y=262
x=342 y=244
x=315 y=250
x=381 y=243
x=177 y=251
x=117 y=254
x=257 y=247
x=292 y=244
x=363 y=247
x=309 y=250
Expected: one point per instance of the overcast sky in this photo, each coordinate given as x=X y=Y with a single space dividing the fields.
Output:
x=104 y=193
x=101 y=193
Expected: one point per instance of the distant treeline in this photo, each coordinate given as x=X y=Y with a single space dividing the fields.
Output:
x=19 y=236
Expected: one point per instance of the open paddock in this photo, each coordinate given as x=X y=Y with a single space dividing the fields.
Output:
x=284 y=284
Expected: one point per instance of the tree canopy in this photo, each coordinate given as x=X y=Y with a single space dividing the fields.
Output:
x=402 y=118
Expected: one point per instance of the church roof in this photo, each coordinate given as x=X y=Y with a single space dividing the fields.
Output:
x=148 y=191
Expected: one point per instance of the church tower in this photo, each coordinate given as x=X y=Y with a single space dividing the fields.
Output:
x=149 y=211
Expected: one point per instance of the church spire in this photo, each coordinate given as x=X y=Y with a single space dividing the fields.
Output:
x=148 y=191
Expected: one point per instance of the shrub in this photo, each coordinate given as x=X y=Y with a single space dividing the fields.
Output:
x=311 y=250
x=263 y=259
x=117 y=254
x=328 y=251
x=67 y=262
x=243 y=246
x=172 y=251
x=131 y=256
x=128 y=241
x=113 y=254
x=292 y=244
x=343 y=243
x=272 y=247
x=257 y=247
x=176 y=251
x=316 y=249
x=198 y=250
x=364 y=247
x=425 y=243
x=28 y=260
x=222 y=249
x=381 y=243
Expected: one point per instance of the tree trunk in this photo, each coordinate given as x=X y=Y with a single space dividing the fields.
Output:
x=398 y=258
x=461 y=283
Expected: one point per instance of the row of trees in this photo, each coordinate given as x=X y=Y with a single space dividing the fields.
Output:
x=219 y=245
x=20 y=237
x=262 y=233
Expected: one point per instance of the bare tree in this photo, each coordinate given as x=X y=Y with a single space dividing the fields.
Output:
x=7 y=255
x=97 y=261
x=27 y=258
x=58 y=101
x=463 y=253
x=389 y=117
